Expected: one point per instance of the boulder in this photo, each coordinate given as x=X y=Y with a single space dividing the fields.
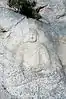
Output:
x=30 y=64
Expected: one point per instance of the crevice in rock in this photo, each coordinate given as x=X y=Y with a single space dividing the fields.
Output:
x=62 y=70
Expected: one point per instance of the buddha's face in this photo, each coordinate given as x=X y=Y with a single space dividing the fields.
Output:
x=35 y=54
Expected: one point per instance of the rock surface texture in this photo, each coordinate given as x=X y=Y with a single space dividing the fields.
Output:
x=33 y=53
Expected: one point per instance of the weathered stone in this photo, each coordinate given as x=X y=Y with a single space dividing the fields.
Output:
x=30 y=66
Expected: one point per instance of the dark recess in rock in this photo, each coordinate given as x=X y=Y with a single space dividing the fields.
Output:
x=26 y=8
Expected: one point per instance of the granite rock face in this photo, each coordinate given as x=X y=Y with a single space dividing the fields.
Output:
x=32 y=53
